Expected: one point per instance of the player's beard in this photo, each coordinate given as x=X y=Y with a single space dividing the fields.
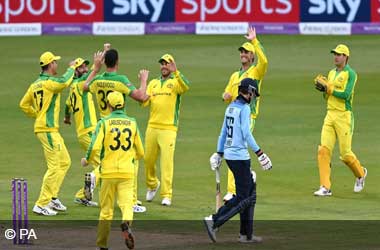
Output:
x=165 y=73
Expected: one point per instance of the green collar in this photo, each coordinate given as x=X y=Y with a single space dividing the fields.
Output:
x=110 y=73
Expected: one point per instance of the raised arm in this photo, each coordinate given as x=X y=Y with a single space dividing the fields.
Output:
x=98 y=61
x=262 y=60
x=140 y=93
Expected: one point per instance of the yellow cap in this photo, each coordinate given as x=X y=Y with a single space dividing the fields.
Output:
x=167 y=58
x=116 y=99
x=79 y=61
x=248 y=47
x=47 y=57
x=341 y=49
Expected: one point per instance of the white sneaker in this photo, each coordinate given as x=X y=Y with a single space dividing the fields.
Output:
x=254 y=239
x=89 y=185
x=44 y=210
x=228 y=197
x=166 y=202
x=152 y=192
x=86 y=202
x=57 y=205
x=209 y=223
x=359 y=182
x=323 y=192
x=139 y=209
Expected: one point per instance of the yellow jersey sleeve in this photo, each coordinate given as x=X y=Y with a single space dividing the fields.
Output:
x=57 y=84
x=230 y=88
x=96 y=144
x=68 y=109
x=262 y=60
x=182 y=85
x=149 y=93
x=139 y=148
x=26 y=104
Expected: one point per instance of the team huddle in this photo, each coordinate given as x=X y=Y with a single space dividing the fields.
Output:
x=113 y=144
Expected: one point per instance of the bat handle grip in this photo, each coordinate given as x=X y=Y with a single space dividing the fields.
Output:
x=217 y=175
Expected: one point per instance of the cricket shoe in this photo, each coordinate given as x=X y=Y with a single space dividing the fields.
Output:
x=139 y=209
x=85 y=202
x=44 y=210
x=359 y=182
x=228 y=197
x=166 y=202
x=322 y=191
x=209 y=224
x=127 y=235
x=56 y=204
x=89 y=185
x=152 y=192
x=254 y=239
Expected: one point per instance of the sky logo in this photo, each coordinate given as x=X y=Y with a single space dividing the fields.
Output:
x=139 y=10
x=335 y=11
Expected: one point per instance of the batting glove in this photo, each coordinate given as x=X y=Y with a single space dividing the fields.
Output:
x=215 y=161
x=265 y=162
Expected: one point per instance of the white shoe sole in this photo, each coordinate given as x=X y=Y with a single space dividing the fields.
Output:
x=149 y=199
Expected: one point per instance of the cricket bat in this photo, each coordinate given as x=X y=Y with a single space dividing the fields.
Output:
x=218 y=194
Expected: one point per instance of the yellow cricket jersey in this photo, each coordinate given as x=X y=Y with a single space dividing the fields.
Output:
x=117 y=140
x=106 y=83
x=42 y=100
x=82 y=106
x=344 y=83
x=165 y=100
x=255 y=72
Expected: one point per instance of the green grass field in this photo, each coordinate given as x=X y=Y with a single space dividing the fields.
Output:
x=288 y=128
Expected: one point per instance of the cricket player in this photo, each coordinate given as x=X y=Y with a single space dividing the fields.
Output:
x=117 y=140
x=248 y=52
x=165 y=94
x=42 y=102
x=111 y=81
x=81 y=105
x=234 y=139
x=338 y=91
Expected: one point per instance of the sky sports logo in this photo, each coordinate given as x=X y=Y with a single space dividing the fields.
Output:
x=75 y=11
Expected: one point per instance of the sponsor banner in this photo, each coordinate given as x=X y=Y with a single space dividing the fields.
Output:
x=325 y=28
x=67 y=29
x=114 y=28
x=65 y=11
x=365 y=28
x=139 y=10
x=220 y=28
x=20 y=29
x=237 y=11
x=276 y=28
x=170 y=28
x=335 y=11
x=375 y=10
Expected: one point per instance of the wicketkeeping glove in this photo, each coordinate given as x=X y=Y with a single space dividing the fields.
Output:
x=265 y=162
x=322 y=84
x=215 y=161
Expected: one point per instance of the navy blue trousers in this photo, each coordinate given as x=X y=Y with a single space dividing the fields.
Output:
x=244 y=201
